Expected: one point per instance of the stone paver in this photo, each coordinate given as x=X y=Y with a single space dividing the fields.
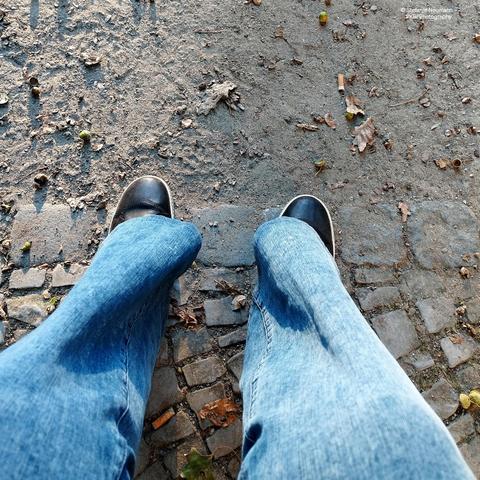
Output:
x=219 y=312
x=235 y=365
x=67 y=276
x=468 y=376
x=165 y=391
x=225 y=440
x=162 y=358
x=417 y=284
x=143 y=458
x=188 y=343
x=237 y=336
x=379 y=297
x=420 y=361
x=25 y=279
x=372 y=236
x=31 y=309
x=2 y=333
x=210 y=276
x=462 y=427
x=55 y=233
x=180 y=292
x=203 y=371
x=397 y=332
x=471 y=453
x=458 y=349
x=437 y=313
x=442 y=232
x=373 y=276
x=153 y=472
x=179 y=427
x=197 y=400
x=227 y=232
x=177 y=458
x=473 y=311
x=442 y=398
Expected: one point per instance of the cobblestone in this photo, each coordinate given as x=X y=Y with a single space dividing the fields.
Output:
x=460 y=352
x=442 y=398
x=153 y=472
x=30 y=309
x=188 y=343
x=237 y=336
x=373 y=276
x=66 y=277
x=471 y=453
x=178 y=428
x=55 y=233
x=177 y=458
x=396 y=332
x=420 y=361
x=2 y=333
x=165 y=391
x=219 y=312
x=468 y=376
x=227 y=232
x=462 y=427
x=210 y=276
x=441 y=233
x=179 y=292
x=473 y=311
x=437 y=313
x=372 y=236
x=235 y=365
x=203 y=371
x=417 y=284
x=25 y=279
x=225 y=440
x=382 y=296
x=197 y=400
x=143 y=458
x=162 y=358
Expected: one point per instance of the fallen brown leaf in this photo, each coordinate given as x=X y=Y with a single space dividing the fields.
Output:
x=465 y=272
x=228 y=287
x=442 y=163
x=307 y=127
x=456 y=339
x=186 y=316
x=279 y=32
x=353 y=105
x=239 y=302
x=330 y=121
x=257 y=2
x=403 y=207
x=365 y=134
x=221 y=413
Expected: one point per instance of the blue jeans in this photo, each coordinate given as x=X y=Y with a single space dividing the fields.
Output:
x=322 y=396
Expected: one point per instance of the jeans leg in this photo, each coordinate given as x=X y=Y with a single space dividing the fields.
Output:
x=323 y=398
x=73 y=392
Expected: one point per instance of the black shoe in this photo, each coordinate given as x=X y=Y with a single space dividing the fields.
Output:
x=311 y=210
x=147 y=195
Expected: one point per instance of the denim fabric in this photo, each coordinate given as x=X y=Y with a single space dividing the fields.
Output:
x=323 y=398
x=73 y=392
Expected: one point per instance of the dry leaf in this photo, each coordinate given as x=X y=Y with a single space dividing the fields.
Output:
x=353 y=105
x=365 y=134
x=456 y=339
x=442 y=163
x=279 y=32
x=476 y=38
x=186 y=316
x=307 y=127
x=221 y=413
x=320 y=166
x=465 y=272
x=239 y=302
x=403 y=207
x=450 y=36
x=330 y=121
x=163 y=419
x=257 y=2
x=227 y=287
x=319 y=119
x=214 y=94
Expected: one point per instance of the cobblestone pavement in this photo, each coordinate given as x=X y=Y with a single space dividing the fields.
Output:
x=404 y=276
x=139 y=75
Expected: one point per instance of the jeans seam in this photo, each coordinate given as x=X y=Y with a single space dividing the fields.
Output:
x=125 y=383
x=267 y=327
